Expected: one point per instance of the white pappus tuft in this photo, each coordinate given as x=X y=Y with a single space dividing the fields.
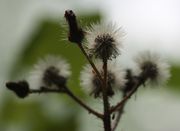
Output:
x=50 y=66
x=104 y=40
x=155 y=67
x=90 y=82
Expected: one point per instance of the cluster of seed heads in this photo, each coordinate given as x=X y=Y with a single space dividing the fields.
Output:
x=103 y=77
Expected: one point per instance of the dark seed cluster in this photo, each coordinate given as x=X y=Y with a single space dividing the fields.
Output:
x=51 y=77
x=105 y=47
x=98 y=89
x=149 y=70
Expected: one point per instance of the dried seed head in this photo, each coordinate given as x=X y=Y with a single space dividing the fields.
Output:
x=151 y=66
x=52 y=77
x=98 y=90
x=51 y=72
x=130 y=82
x=91 y=83
x=103 y=41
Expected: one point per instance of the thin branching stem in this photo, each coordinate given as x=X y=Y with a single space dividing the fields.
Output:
x=118 y=116
x=71 y=95
x=90 y=62
x=106 y=116
x=90 y=110
x=121 y=103
x=135 y=87
x=45 y=90
x=137 y=82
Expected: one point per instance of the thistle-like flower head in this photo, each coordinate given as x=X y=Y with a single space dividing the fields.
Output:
x=91 y=83
x=104 y=40
x=153 y=67
x=50 y=72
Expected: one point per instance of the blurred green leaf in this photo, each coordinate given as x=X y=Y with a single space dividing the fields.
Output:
x=174 y=81
x=30 y=115
x=47 y=40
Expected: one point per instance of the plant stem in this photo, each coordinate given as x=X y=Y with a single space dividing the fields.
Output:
x=70 y=94
x=119 y=115
x=121 y=103
x=107 y=118
x=134 y=83
x=138 y=82
x=45 y=90
x=90 y=62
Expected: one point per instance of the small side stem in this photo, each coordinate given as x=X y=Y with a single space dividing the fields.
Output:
x=45 y=90
x=135 y=87
x=71 y=95
x=121 y=103
x=119 y=115
x=133 y=84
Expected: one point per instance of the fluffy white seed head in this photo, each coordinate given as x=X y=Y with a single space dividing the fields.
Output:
x=59 y=65
x=116 y=78
x=104 y=40
x=159 y=71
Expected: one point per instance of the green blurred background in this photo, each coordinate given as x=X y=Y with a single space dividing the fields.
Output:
x=32 y=29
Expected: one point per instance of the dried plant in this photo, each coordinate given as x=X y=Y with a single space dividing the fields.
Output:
x=102 y=78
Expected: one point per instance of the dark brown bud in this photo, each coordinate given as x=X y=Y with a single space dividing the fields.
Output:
x=76 y=34
x=21 y=88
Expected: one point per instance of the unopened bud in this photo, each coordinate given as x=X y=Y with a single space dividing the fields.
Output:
x=76 y=34
x=21 y=88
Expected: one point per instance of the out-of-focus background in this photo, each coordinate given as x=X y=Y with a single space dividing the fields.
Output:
x=31 y=29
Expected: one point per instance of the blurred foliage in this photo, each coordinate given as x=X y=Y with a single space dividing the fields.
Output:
x=47 y=40
x=174 y=81
x=29 y=115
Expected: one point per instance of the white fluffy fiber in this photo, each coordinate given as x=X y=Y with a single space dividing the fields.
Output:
x=37 y=73
x=103 y=29
x=87 y=76
x=162 y=66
